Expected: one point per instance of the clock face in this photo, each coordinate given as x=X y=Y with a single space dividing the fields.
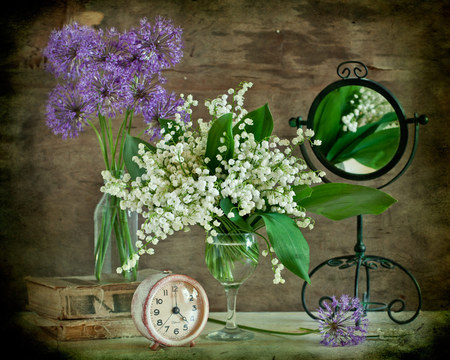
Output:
x=176 y=310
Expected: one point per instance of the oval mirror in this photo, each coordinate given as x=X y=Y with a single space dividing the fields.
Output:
x=362 y=128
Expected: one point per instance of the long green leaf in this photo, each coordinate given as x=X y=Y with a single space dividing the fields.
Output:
x=349 y=140
x=327 y=118
x=288 y=242
x=376 y=150
x=301 y=192
x=262 y=123
x=221 y=128
x=338 y=201
x=131 y=148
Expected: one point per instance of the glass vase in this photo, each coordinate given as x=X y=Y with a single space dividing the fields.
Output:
x=115 y=239
x=231 y=259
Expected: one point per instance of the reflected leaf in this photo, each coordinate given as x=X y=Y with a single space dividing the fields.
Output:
x=375 y=150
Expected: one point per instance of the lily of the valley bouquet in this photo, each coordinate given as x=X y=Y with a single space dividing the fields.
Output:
x=232 y=175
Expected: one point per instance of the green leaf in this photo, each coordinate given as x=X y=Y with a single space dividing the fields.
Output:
x=221 y=128
x=170 y=126
x=131 y=148
x=376 y=150
x=227 y=206
x=288 y=242
x=338 y=201
x=348 y=141
x=327 y=118
x=262 y=123
x=301 y=192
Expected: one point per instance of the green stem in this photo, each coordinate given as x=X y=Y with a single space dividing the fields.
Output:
x=101 y=143
x=121 y=135
x=124 y=131
x=103 y=129
x=307 y=331
x=104 y=238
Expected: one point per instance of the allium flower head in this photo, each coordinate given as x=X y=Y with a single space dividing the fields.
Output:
x=154 y=47
x=343 y=322
x=70 y=50
x=108 y=89
x=110 y=53
x=68 y=110
x=145 y=91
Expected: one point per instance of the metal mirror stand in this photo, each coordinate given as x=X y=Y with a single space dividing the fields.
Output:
x=360 y=260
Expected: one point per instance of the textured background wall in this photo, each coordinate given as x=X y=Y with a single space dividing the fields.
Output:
x=289 y=49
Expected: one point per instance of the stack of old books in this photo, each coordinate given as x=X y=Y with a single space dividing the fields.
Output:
x=81 y=308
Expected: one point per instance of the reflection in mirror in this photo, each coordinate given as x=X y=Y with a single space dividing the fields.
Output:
x=358 y=128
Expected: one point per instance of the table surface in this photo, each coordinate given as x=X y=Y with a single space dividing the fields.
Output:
x=420 y=339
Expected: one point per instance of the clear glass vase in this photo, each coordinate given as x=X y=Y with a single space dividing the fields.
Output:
x=232 y=259
x=115 y=239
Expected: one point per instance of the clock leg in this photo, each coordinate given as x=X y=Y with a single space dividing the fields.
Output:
x=154 y=346
x=192 y=344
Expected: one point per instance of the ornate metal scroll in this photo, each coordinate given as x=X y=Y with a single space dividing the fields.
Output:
x=345 y=69
x=370 y=263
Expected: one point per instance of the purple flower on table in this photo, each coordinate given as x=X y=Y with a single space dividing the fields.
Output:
x=70 y=50
x=343 y=322
x=68 y=110
x=167 y=107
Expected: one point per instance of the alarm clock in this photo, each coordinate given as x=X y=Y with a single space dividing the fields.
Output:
x=170 y=309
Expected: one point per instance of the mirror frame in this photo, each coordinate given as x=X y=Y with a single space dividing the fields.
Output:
x=400 y=116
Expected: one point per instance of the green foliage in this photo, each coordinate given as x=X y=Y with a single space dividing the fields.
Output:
x=372 y=145
x=340 y=201
x=170 y=126
x=131 y=148
x=288 y=243
x=221 y=128
x=262 y=123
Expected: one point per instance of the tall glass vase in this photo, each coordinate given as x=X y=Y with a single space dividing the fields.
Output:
x=231 y=259
x=115 y=238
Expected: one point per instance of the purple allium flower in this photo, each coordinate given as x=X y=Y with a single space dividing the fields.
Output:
x=68 y=110
x=153 y=48
x=70 y=50
x=109 y=90
x=166 y=107
x=111 y=53
x=343 y=322
x=145 y=91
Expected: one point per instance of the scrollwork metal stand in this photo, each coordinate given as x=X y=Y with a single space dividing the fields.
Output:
x=370 y=263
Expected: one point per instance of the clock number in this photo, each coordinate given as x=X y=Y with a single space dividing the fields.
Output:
x=156 y=312
x=159 y=301
x=165 y=292
x=176 y=331
x=191 y=297
x=159 y=322
x=194 y=307
x=174 y=288
x=185 y=327
x=192 y=318
x=167 y=328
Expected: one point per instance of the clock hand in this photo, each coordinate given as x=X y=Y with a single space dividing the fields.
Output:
x=176 y=310
x=166 y=321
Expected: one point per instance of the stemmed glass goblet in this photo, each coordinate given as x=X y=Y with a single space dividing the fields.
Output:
x=231 y=259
